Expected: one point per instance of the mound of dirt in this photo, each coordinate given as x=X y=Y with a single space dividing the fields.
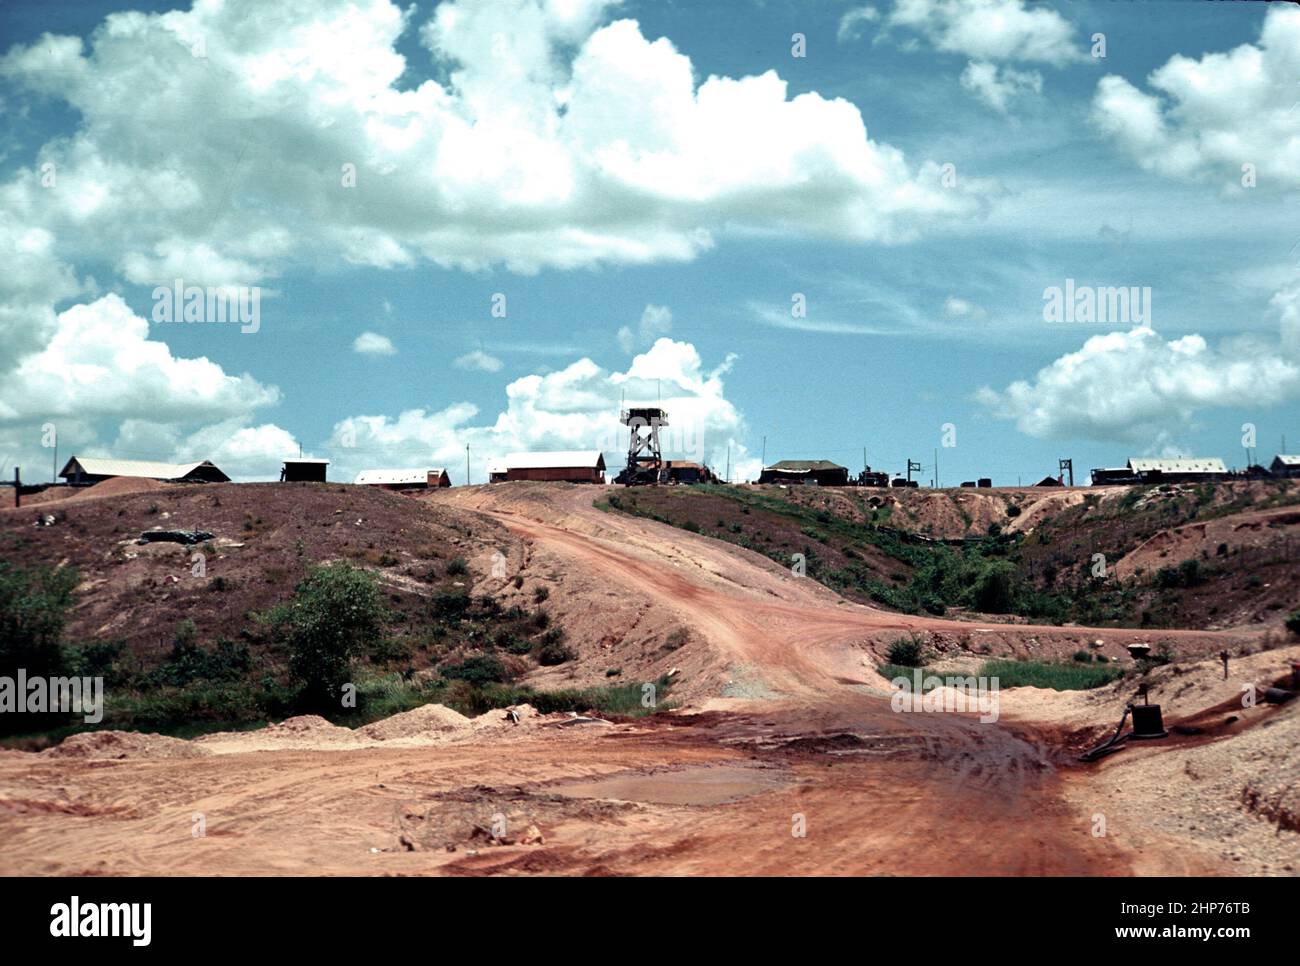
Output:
x=519 y=714
x=418 y=721
x=123 y=744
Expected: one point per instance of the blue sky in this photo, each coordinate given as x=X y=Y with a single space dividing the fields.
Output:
x=924 y=301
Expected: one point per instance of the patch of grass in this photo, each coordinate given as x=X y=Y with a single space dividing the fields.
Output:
x=1042 y=674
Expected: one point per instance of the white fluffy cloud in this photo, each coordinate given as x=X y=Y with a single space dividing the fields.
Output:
x=997 y=86
x=554 y=140
x=656 y=321
x=575 y=407
x=854 y=21
x=990 y=30
x=478 y=361
x=373 y=344
x=101 y=362
x=1209 y=117
x=1135 y=385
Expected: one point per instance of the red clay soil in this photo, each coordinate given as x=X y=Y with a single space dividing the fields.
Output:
x=801 y=767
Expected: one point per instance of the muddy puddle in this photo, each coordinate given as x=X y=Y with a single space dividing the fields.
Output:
x=688 y=786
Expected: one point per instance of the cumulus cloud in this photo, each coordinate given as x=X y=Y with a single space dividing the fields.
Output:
x=1135 y=385
x=1207 y=117
x=100 y=362
x=656 y=321
x=478 y=361
x=554 y=139
x=997 y=86
x=854 y=22
x=990 y=30
x=373 y=344
x=576 y=407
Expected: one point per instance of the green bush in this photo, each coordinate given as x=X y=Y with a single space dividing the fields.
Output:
x=457 y=567
x=555 y=652
x=450 y=604
x=34 y=606
x=906 y=652
x=477 y=670
x=1293 y=622
x=993 y=588
x=334 y=612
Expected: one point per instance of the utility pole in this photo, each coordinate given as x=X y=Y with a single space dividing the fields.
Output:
x=912 y=466
x=935 y=484
x=467 y=464
x=54 y=468
x=18 y=487
x=728 y=461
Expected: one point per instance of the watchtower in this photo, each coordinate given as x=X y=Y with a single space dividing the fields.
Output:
x=644 y=459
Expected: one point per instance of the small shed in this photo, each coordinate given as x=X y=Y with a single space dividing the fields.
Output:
x=300 y=470
x=425 y=479
x=496 y=470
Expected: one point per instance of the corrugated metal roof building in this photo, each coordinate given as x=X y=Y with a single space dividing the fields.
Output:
x=1141 y=469
x=85 y=470
x=1168 y=467
x=568 y=466
x=426 y=479
x=1284 y=465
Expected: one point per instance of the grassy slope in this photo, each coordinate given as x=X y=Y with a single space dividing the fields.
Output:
x=883 y=556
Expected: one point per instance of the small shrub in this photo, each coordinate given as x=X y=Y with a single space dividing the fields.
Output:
x=540 y=594
x=676 y=638
x=480 y=669
x=456 y=567
x=555 y=653
x=906 y=652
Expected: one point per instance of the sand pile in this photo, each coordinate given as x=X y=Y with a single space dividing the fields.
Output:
x=511 y=717
x=416 y=722
x=123 y=744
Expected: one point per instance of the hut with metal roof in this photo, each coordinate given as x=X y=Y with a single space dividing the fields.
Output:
x=87 y=470
x=427 y=479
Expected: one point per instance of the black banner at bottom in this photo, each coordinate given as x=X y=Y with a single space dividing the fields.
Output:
x=337 y=915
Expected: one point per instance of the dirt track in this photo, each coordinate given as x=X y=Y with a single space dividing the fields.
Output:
x=808 y=736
